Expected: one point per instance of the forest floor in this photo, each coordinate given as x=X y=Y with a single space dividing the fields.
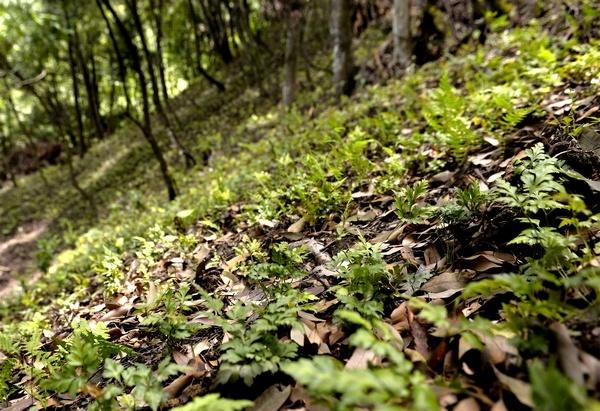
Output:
x=17 y=256
x=430 y=243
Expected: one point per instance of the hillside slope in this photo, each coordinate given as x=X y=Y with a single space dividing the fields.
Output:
x=430 y=243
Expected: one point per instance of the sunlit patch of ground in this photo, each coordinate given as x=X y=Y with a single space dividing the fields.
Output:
x=16 y=256
x=106 y=165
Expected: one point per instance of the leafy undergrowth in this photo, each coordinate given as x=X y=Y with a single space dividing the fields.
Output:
x=428 y=244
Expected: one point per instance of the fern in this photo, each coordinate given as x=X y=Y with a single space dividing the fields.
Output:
x=538 y=186
x=445 y=115
x=407 y=203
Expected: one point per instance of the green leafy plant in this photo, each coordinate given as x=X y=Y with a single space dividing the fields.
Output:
x=284 y=265
x=80 y=356
x=553 y=391
x=537 y=185
x=395 y=385
x=46 y=251
x=561 y=270
x=256 y=349
x=408 y=203
x=366 y=280
x=136 y=386
x=165 y=310
x=445 y=112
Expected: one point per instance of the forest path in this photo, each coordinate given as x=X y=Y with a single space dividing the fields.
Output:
x=17 y=256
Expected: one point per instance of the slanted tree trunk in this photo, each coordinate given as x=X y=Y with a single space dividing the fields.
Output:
x=183 y=151
x=341 y=36
x=213 y=17
x=119 y=56
x=402 y=53
x=74 y=81
x=197 y=49
x=5 y=147
x=146 y=124
x=292 y=40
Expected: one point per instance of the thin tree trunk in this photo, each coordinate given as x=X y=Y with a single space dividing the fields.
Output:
x=146 y=126
x=211 y=9
x=120 y=60
x=157 y=12
x=401 y=33
x=198 y=54
x=292 y=40
x=75 y=83
x=341 y=35
x=160 y=64
x=78 y=114
x=87 y=197
x=183 y=151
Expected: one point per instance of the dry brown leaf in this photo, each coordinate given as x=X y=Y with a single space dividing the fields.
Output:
x=196 y=369
x=444 y=294
x=363 y=216
x=299 y=394
x=468 y=404
x=472 y=307
x=568 y=353
x=297 y=227
x=180 y=358
x=419 y=334
x=360 y=359
x=520 y=389
x=414 y=355
x=116 y=302
x=408 y=256
x=21 y=404
x=492 y=141
x=481 y=159
x=201 y=252
x=232 y=263
x=495 y=176
x=200 y=347
x=336 y=334
x=272 y=398
x=117 y=312
x=431 y=255
x=365 y=194
x=177 y=385
x=297 y=336
x=499 y=406
x=588 y=113
x=324 y=349
x=497 y=348
x=309 y=316
x=399 y=313
x=443 y=176
x=448 y=280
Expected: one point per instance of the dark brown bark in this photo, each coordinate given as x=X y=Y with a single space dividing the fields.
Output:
x=197 y=49
x=341 y=36
x=120 y=60
x=75 y=83
x=213 y=17
x=292 y=39
x=75 y=86
x=184 y=152
x=145 y=126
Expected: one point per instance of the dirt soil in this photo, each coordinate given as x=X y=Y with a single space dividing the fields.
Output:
x=17 y=259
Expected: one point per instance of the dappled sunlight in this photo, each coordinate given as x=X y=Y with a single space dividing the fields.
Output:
x=300 y=205
x=105 y=166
